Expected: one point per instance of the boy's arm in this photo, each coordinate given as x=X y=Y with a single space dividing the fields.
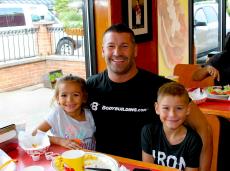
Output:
x=147 y=157
x=191 y=169
x=198 y=121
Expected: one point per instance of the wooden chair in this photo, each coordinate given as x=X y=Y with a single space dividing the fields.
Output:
x=185 y=72
x=215 y=125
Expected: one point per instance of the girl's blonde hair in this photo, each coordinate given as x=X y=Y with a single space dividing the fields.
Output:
x=75 y=79
x=173 y=89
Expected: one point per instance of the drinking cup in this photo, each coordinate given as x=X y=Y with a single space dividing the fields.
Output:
x=73 y=160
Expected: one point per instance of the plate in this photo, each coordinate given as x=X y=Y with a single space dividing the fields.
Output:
x=197 y=95
x=34 y=168
x=97 y=160
x=215 y=92
x=4 y=158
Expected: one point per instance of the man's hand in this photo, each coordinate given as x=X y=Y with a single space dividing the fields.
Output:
x=213 y=72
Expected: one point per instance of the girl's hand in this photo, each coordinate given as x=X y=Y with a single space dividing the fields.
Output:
x=67 y=143
x=70 y=144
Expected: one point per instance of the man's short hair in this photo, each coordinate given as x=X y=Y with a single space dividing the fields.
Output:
x=121 y=28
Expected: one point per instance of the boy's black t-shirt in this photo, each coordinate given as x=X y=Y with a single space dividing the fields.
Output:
x=184 y=154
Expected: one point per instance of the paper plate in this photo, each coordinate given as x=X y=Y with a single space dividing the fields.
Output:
x=197 y=96
x=97 y=160
x=34 y=144
x=33 y=168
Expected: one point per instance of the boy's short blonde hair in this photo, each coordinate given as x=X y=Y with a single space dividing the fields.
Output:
x=173 y=89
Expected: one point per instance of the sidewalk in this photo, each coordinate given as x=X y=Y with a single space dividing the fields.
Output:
x=28 y=105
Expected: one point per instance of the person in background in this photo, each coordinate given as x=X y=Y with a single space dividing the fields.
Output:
x=171 y=143
x=69 y=122
x=122 y=99
x=218 y=66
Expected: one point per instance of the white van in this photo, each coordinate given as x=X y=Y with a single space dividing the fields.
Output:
x=18 y=34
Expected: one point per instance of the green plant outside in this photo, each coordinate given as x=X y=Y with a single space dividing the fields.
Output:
x=70 y=17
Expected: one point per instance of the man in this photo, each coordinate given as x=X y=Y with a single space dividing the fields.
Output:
x=122 y=99
x=218 y=66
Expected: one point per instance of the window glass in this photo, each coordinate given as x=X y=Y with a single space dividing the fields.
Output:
x=206 y=29
x=210 y=14
x=64 y=49
x=200 y=16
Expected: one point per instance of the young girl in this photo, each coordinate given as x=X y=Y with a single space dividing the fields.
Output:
x=70 y=123
x=171 y=143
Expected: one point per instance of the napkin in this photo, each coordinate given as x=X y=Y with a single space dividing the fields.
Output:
x=197 y=94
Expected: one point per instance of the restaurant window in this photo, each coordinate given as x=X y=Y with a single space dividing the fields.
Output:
x=26 y=98
x=211 y=23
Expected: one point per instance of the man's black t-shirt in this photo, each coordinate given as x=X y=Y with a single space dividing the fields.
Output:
x=120 y=110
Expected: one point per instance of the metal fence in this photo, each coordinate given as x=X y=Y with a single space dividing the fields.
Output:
x=20 y=44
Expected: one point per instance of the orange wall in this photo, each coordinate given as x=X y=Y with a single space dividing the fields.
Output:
x=147 y=51
x=109 y=12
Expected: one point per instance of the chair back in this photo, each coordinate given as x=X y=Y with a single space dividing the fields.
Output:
x=185 y=72
x=215 y=125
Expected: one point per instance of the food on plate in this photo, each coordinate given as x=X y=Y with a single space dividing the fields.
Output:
x=34 y=145
x=218 y=90
x=90 y=157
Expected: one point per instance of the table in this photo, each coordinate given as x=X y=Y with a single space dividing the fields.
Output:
x=25 y=160
x=216 y=107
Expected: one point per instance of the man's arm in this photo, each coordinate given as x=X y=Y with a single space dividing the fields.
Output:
x=204 y=72
x=198 y=121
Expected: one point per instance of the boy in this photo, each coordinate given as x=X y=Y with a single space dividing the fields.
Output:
x=171 y=143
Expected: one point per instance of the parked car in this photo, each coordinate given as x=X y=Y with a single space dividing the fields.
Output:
x=206 y=27
x=17 y=31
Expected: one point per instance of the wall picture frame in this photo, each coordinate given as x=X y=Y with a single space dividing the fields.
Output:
x=137 y=14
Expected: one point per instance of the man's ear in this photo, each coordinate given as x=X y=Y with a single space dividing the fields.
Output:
x=157 y=108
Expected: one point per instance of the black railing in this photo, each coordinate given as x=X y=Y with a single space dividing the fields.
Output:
x=18 y=44
x=23 y=43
